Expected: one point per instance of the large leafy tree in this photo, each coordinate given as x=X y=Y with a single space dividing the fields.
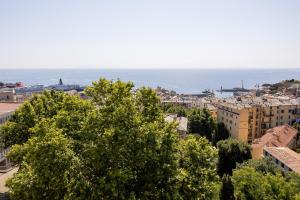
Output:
x=68 y=110
x=46 y=165
x=116 y=145
x=201 y=122
x=231 y=152
x=221 y=133
x=251 y=184
x=177 y=109
x=197 y=168
x=265 y=165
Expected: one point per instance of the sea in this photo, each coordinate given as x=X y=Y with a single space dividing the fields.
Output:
x=183 y=81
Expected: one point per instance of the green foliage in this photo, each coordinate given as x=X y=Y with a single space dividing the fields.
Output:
x=251 y=184
x=116 y=145
x=265 y=165
x=197 y=174
x=46 y=166
x=221 y=133
x=68 y=111
x=227 y=189
x=296 y=125
x=202 y=123
x=231 y=152
x=177 y=109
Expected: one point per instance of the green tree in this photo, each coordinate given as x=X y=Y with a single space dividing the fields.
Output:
x=68 y=111
x=116 y=145
x=45 y=166
x=265 y=165
x=197 y=168
x=251 y=184
x=227 y=189
x=221 y=133
x=231 y=152
x=202 y=123
x=179 y=110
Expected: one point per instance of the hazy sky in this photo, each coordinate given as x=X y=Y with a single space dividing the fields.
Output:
x=150 y=33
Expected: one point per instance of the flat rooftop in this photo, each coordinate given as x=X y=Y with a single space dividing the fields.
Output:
x=248 y=102
x=287 y=156
x=8 y=107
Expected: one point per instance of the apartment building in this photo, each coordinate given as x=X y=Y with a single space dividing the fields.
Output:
x=248 y=118
x=280 y=136
x=286 y=159
x=8 y=95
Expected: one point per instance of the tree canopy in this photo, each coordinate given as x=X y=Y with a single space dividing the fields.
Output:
x=251 y=184
x=231 y=152
x=116 y=145
x=201 y=122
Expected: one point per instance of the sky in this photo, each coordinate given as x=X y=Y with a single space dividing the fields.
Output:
x=149 y=34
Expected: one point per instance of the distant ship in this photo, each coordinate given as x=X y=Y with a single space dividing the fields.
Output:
x=236 y=89
x=64 y=87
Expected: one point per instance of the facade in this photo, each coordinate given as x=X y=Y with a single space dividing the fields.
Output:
x=280 y=136
x=182 y=124
x=208 y=103
x=285 y=158
x=248 y=118
x=6 y=110
x=8 y=95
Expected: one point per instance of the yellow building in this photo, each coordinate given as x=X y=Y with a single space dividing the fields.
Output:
x=248 y=118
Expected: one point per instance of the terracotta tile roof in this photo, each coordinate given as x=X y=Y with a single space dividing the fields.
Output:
x=8 y=107
x=287 y=156
x=279 y=136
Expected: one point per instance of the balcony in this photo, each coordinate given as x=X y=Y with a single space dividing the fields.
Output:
x=269 y=115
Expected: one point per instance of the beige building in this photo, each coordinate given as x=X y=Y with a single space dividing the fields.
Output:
x=248 y=118
x=182 y=122
x=8 y=95
x=280 y=136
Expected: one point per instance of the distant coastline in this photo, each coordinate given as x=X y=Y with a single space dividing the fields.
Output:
x=180 y=80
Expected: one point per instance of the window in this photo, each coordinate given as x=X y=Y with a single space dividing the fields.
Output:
x=276 y=161
x=282 y=165
x=282 y=111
